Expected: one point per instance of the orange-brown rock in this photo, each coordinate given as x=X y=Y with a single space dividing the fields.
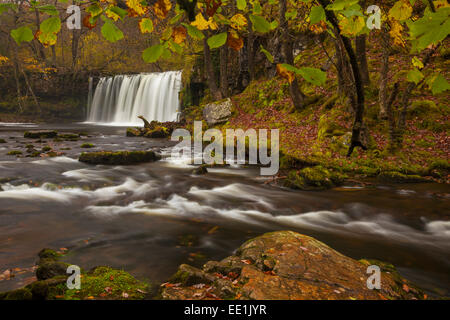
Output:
x=286 y=265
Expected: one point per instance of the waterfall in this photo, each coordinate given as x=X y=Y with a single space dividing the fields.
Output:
x=121 y=99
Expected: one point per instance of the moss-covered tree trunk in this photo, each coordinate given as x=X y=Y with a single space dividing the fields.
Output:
x=286 y=48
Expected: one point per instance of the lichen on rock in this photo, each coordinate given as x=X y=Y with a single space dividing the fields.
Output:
x=286 y=265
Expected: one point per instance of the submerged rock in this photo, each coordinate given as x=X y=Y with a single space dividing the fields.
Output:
x=40 y=134
x=118 y=157
x=200 y=170
x=217 y=112
x=286 y=265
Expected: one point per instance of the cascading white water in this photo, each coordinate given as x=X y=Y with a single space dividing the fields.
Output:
x=119 y=100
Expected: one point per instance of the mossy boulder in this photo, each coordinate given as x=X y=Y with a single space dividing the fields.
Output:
x=19 y=294
x=422 y=108
x=49 y=266
x=69 y=137
x=286 y=265
x=108 y=283
x=439 y=168
x=288 y=161
x=157 y=132
x=46 y=148
x=313 y=178
x=328 y=127
x=118 y=157
x=14 y=153
x=200 y=170
x=133 y=132
x=40 y=134
x=397 y=177
x=87 y=145
x=2 y=141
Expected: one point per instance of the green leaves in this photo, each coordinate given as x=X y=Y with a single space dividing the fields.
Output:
x=317 y=14
x=430 y=29
x=48 y=9
x=241 y=4
x=217 y=40
x=153 y=53
x=194 y=32
x=146 y=25
x=312 y=75
x=339 y=5
x=110 y=31
x=51 y=25
x=22 y=34
x=414 y=75
x=260 y=24
x=438 y=84
x=268 y=55
x=401 y=10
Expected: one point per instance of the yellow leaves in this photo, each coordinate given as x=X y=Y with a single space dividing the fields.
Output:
x=136 y=8
x=396 y=33
x=417 y=63
x=319 y=27
x=47 y=39
x=179 y=34
x=146 y=25
x=284 y=73
x=201 y=24
x=238 y=21
x=162 y=8
x=351 y=26
x=3 y=60
x=401 y=10
x=234 y=41
x=441 y=4
x=112 y=15
x=87 y=22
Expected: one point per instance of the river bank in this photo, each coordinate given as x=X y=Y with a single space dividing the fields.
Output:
x=149 y=218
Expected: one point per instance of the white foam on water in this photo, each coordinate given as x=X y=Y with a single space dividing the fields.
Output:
x=50 y=192
x=436 y=234
x=236 y=190
x=61 y=159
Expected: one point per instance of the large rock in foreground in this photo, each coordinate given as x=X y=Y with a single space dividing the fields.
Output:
x=118 y=157
x=286 y=265
x=217 y=112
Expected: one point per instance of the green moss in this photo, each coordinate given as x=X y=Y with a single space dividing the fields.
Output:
x=328 y=127
x=46 y=148
x=47 y=253
x=69 y=137
x=118 y=157
x=14 y=153
x=40 y=134
x=132 y=132
x=314 y=178
x=87 y=145
x=2 y=141
x=108 y=283
x=397 y=177
x=19 y=294
x=422 y=108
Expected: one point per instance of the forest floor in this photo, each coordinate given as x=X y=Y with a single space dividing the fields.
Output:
x=320 y=133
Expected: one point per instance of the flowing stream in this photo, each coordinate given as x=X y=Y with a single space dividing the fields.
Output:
x=149 y=218
x=120 y=99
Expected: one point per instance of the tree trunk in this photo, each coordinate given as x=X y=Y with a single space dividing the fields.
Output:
x=286 y=48
x=384 y=72
x=360 y=47
x=250 y=56
x=358 y=85
x=209 y=68
x=224 y=71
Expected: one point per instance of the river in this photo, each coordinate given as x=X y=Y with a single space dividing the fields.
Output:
x=150 y=218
